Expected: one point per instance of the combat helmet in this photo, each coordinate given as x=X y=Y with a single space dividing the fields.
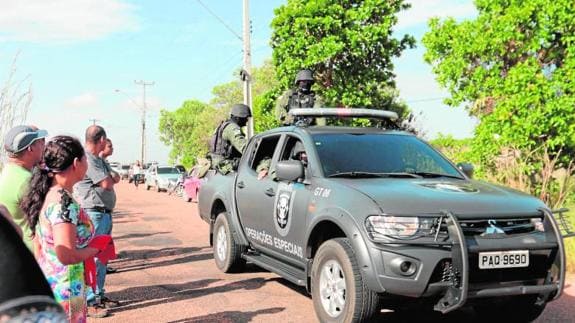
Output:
x=304 y=75
x=241 y=111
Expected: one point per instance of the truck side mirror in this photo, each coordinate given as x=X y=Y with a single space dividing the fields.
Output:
x=466 y=168
x=289 y=170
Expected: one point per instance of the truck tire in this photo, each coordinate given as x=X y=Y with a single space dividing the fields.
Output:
x=158 y=189
x=227 y=253
x=338 y=291
x=517 y=310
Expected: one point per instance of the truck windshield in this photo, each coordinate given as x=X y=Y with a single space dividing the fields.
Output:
x=343 y=154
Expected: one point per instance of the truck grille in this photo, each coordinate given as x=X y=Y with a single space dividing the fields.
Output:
x=508 y=226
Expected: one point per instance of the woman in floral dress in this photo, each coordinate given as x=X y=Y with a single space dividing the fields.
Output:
x=62 y=229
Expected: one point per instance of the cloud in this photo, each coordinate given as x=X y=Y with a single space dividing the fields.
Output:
x=84 y=100
x=422 y=10
x=63 y=20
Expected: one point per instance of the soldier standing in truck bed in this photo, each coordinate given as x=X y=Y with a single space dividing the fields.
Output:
x=228 y=142
x=301 y=96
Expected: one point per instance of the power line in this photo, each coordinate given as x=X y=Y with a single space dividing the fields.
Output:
x=220 y=20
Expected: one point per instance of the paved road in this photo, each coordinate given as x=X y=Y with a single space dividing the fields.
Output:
x=166 y=273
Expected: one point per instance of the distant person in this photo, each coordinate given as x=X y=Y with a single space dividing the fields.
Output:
x=25 y=295
x=301 y=96
x=62 y=230
x=228 y=142
x=24 y=145
x=96 y=195
x=136 y=173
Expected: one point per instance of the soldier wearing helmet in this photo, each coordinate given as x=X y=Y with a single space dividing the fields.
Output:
x=301 y=96
x=228 y=142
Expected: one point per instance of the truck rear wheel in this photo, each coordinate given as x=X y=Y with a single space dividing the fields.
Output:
x=338 y=291
x=227 y=253
x=517 y=310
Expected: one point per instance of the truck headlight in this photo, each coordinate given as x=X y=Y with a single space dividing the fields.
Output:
x=399 y=227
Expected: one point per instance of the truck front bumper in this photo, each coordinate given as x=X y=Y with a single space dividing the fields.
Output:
x=449 y=270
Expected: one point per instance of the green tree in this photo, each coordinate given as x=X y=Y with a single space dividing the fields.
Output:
x=512 y=67
x=187 y=130
x=348 y=44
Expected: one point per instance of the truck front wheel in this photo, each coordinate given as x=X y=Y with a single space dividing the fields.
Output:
x=338 y=291
x=227 y=253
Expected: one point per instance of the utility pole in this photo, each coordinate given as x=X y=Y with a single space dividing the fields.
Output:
x=246 y=73
x=144 y=107
x=93 y=121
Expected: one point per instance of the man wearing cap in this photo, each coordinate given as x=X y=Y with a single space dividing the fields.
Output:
x=25 y=146
x=96 y=195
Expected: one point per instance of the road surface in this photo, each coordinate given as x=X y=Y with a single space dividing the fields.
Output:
x=166 y=273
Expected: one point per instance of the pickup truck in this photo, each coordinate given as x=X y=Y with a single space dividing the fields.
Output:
x=372 y=217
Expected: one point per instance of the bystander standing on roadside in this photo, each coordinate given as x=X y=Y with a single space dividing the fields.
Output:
x=25 y=295
x=63 y=232
x=107 y=152
x=96 y=195
x=24 y=145
x=136 y=173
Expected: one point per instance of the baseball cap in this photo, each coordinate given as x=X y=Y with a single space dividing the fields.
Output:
x=21 y=137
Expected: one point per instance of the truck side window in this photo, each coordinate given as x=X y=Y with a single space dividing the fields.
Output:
x=265 y=150
x=293 y=149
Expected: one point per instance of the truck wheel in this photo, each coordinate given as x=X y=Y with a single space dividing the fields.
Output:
x=338 y=291
x=147 y=187
x=158 y=189
x=519 y=309
x=227 y=253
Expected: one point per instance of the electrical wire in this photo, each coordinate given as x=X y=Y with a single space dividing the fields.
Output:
x=220 y=20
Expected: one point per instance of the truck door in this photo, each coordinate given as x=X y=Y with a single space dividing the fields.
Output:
x=291 y=205
x=255 y=192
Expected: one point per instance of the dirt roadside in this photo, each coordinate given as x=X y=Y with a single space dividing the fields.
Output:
x=166 y=273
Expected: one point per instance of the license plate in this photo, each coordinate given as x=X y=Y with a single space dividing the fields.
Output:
x=504 y=259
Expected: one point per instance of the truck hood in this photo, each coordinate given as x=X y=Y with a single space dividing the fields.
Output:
x=462 y=197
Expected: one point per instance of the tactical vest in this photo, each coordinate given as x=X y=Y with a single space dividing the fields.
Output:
x=221 y=147
x=298 y=100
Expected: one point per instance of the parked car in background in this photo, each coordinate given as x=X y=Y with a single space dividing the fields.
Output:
x=124 y=171
x=192 y=185
x=161 y=176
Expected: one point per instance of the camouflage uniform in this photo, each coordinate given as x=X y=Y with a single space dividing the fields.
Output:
x=292 y=99
x=233 y=134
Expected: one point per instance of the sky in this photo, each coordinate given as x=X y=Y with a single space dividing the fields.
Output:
x=83 y=57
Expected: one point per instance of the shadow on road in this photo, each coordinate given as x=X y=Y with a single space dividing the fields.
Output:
x=142 y=259
x=133 y=298
x=139 y=235
x=230 y=316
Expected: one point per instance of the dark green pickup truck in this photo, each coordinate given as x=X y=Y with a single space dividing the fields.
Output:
x=367 y=218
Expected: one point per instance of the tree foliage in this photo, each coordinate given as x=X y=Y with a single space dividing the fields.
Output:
x=513 y=67
x=348 y=44
x=188 y=129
